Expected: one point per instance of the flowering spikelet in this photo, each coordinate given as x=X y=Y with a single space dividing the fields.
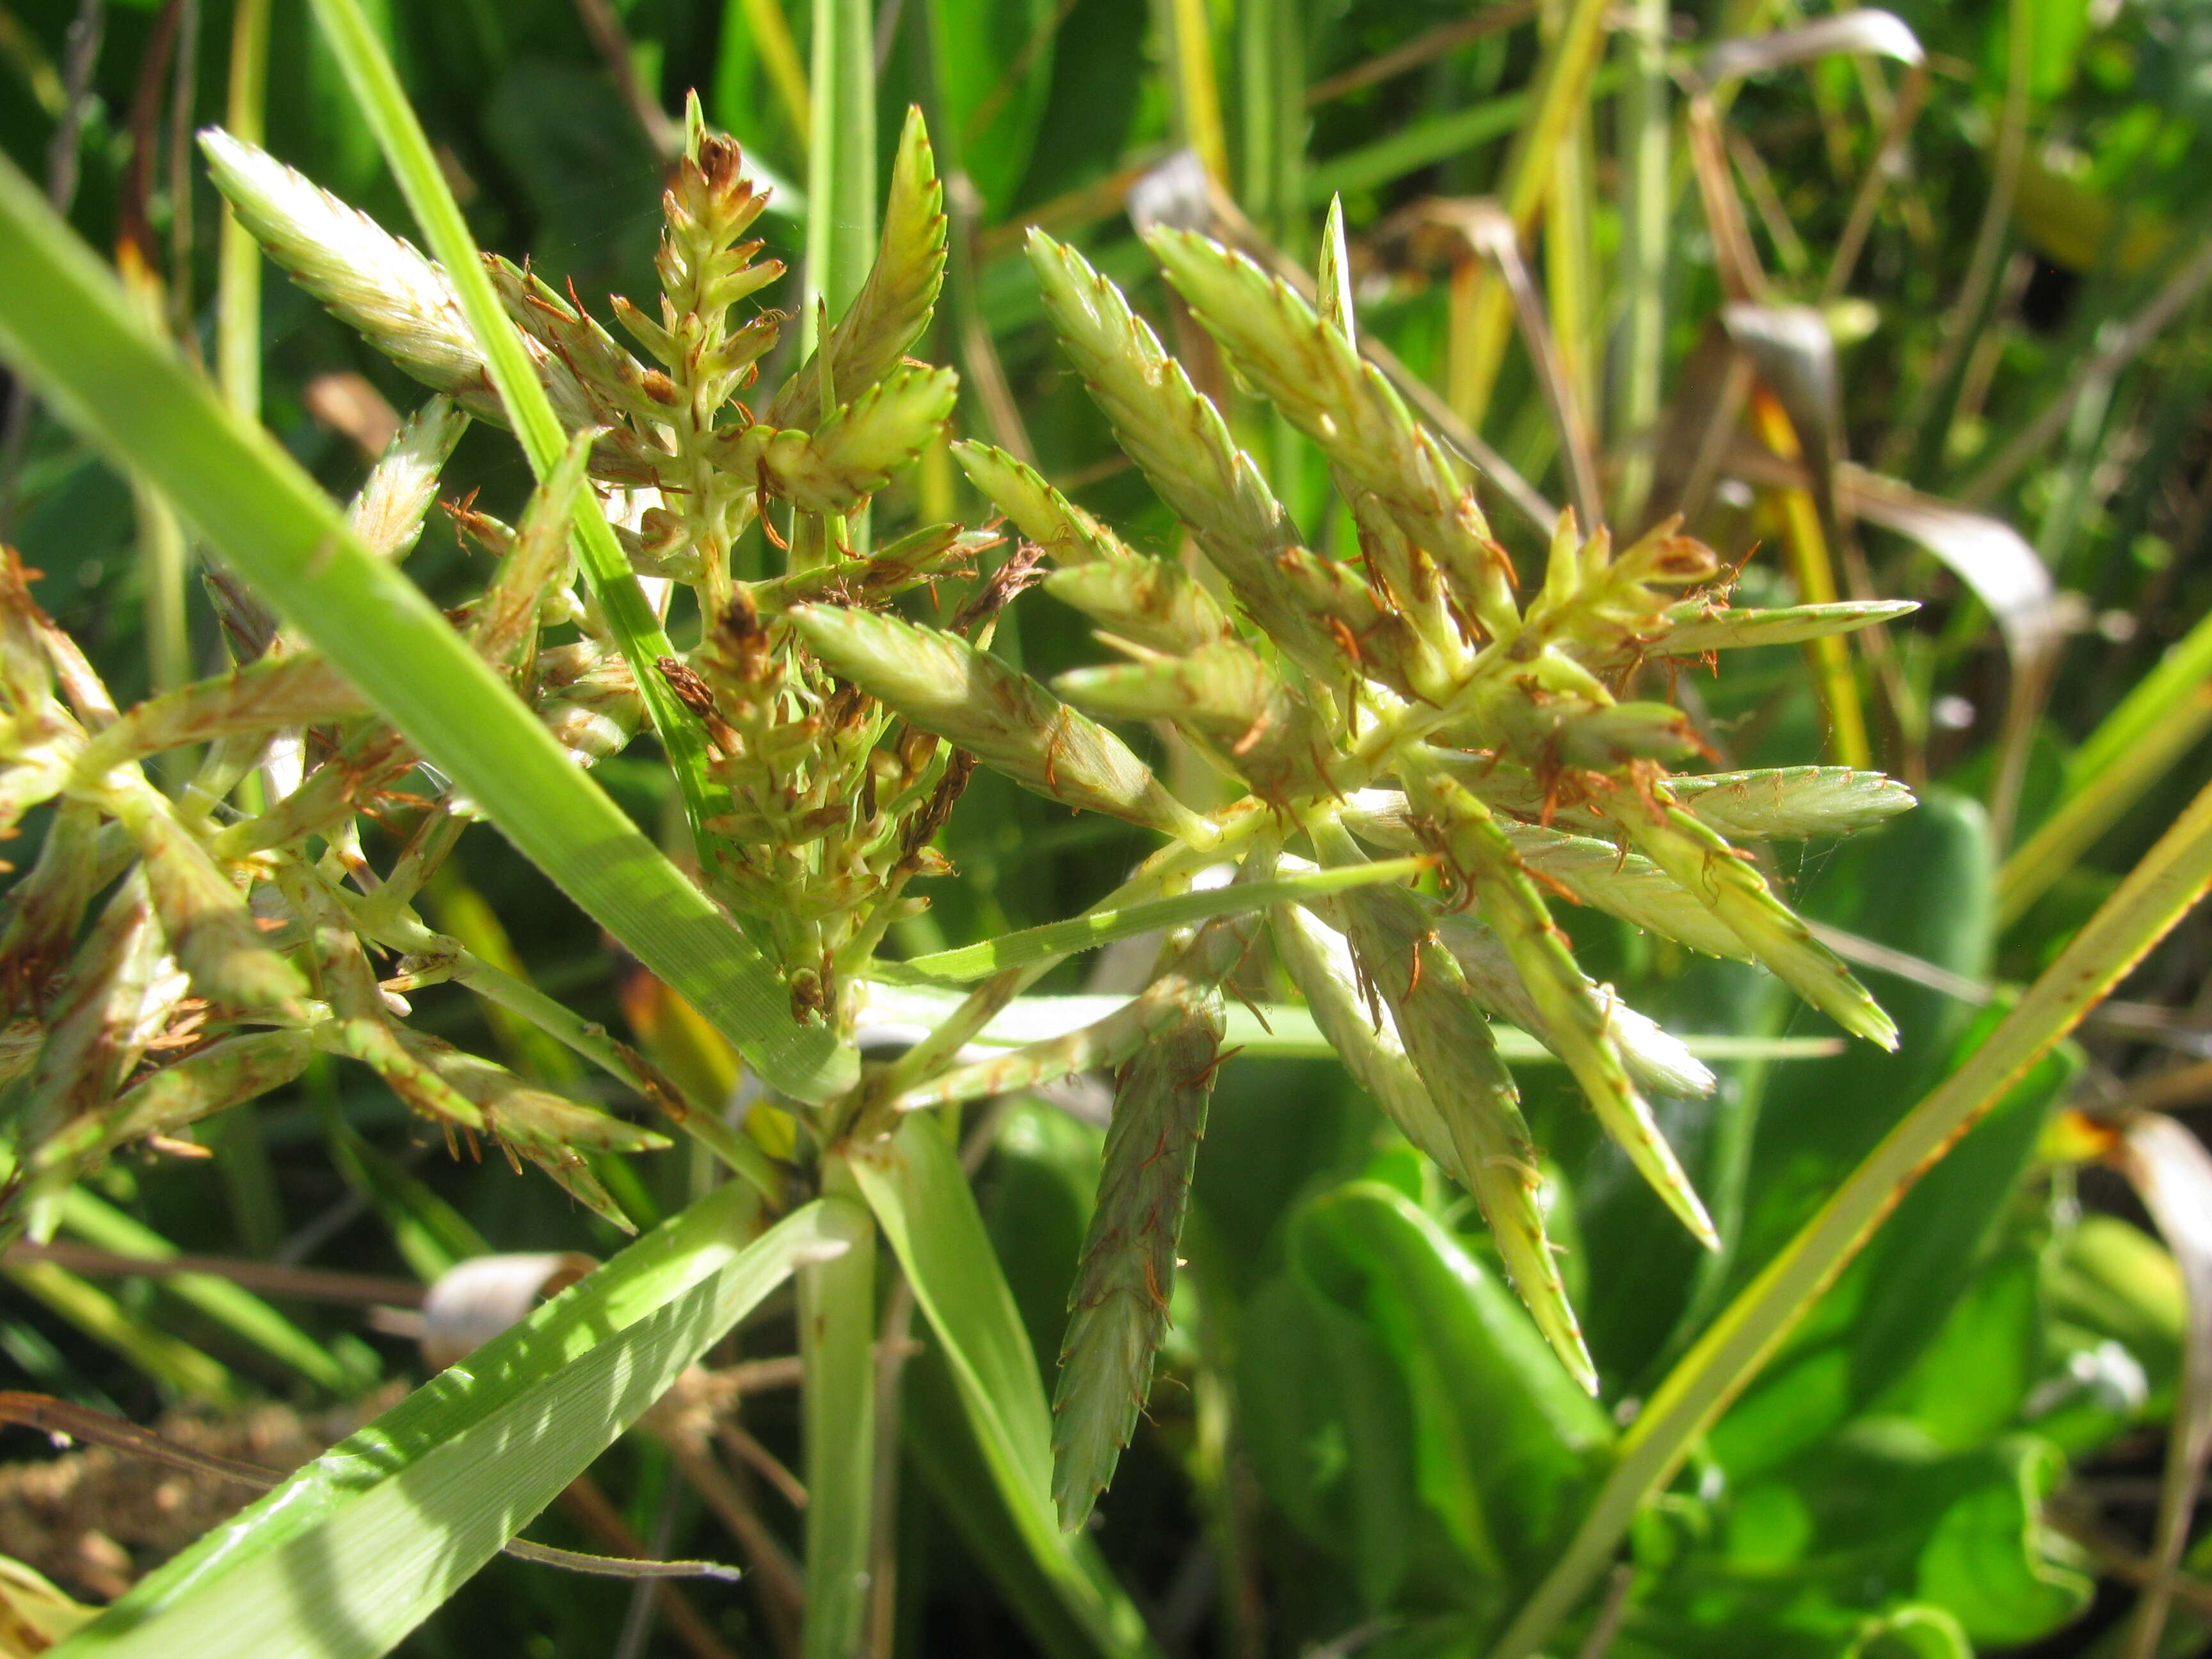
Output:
x=1574 y=1020
x=1118 y=1306
x=1401 y=959
x=944 y=685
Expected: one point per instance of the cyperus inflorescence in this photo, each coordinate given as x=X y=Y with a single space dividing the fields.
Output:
x=1422 y=696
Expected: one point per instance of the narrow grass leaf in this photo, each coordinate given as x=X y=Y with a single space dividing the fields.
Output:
x=922 y=1200
x=350 y=1554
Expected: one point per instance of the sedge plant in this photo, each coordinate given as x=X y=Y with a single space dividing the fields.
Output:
x=1379 y=787
x=1425 y=753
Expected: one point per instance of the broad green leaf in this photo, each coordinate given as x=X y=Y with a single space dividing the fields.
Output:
x=1323 y=1413
x=913 y=1182
x=352 y=1552
x=1890 y=1304
x=1061 y=938
x=1504 y=1437
x=67 y=325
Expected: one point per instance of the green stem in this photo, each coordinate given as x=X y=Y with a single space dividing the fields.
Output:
x=622 y=601
x=238 y=256
x=841 y=160
x=1645 y=211
x=2155 y=896
x=836 y=1345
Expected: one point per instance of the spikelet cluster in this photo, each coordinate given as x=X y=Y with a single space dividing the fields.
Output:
x=1417 y=696
x=1422 y=694
x=246 y=932
x=234 y=945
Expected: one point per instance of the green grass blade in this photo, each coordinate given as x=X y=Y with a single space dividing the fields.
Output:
x=350 y=1554
x=165 y=1359
x=840 y=157
x=407 y=150
x=916 y=1185
x=837 y=1345
x=237 y=1309
x=2132 y=748
x=67 y=327
x=1061 y=938
x=238 y=257
x=2160 y=891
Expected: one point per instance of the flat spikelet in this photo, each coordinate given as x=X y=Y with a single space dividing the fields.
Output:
x=388 y=512
x=1181 y=442
x=1400 y=959
x=210 y=1080
x=1574 y=1019
x=1118 y=1306
x=1309 y=370
x=1790 y=803
x=944 y=685
x=1704 y=865
x=1068 y=535
x=1320 y=962
x=1149 y=601
x=370 y=279
x=1656 y=1061
x=896 y=303
x=204 y=916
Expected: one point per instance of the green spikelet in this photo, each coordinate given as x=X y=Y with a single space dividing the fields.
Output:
x=504 y=628
x=857 y=449
x=1596 y=872
x=1655 y=1060
x=1068 y=535
x=1310 y=371
x=1696 y=626
x=44 y=907
x=275 y=691
x=894 y=303
x=1709 y=868
x=1118 y=1306
x=1452 y=1047
x=943 y=684
x=548 y=1131
x=1181 y=444
x=202 y=916
x=111 y=1004
x=370 y=280
x=1791 y=802
x=1320 y=963
x=1574 y=1016
x=210 y=1080
x=1223 y=693
x=1148 y=601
